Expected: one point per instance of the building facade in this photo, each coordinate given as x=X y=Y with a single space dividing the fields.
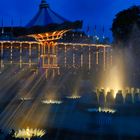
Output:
x=42 y=50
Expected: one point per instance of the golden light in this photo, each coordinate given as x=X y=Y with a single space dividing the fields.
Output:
x=73 y=97
x=51 y=102
x=106 y=110
x=26 y=99
x=115 y=78
x=29 y=133
x=102 y=110
x=114 y=86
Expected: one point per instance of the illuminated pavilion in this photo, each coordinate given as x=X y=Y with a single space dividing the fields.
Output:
x=44 y=19
x=37 y=45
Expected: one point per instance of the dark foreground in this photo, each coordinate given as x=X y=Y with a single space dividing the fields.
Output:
x=55 y=134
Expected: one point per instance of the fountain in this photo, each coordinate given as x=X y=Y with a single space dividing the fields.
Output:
x=102 y=110
x=29 y=133
x=73 y=97
x=127 y=94
x=115 y=78
x=51 y=102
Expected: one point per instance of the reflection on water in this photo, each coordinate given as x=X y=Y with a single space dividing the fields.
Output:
x=101 y=109
x=29 y=133
x=73 y=97
x=51 y=102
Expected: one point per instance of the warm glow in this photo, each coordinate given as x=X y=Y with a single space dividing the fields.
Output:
x=100 y=109
x=74 y=97
x=114 y=79
x=29 y=133
x=106 y=110
x=49 y=36
x=51 y=102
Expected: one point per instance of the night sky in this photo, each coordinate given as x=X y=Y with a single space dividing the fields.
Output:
x=93 y=12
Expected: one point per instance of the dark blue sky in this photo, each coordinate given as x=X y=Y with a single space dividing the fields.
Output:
x=93 y=12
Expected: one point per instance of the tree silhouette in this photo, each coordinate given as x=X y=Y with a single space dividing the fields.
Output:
x=124 y=22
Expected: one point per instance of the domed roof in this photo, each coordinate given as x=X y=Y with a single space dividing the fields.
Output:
x=45 y=16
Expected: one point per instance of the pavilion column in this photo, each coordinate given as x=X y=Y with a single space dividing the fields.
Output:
x=55 y=57
x=111 y=57
x=44 y=56
x=48 y=54
x=20 y=55
x=81 y=58
x=73 y=57
x=39 y=52
x=97 y=56
x=89 y=58
x=107 y=58
x=65 y=56
x=104 y=58
x=11 y=53
x=30 y=55
x=54 y=54
x=43 y=53
x=2 y=65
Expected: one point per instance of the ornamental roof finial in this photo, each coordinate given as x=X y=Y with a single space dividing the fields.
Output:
x=44 y=4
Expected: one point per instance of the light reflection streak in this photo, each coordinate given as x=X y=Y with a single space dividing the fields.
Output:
x=51 y=102
x=102 y=109
x=8 y=108
x=73 y=97
x=29 y=133
x=14 y=113
x=34 y=105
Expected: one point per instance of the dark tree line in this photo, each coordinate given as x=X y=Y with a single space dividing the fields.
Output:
x=126 y=34
x=124 y=23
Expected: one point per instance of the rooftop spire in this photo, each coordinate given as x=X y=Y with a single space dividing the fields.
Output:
x=45 y=16
x=43 y=4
